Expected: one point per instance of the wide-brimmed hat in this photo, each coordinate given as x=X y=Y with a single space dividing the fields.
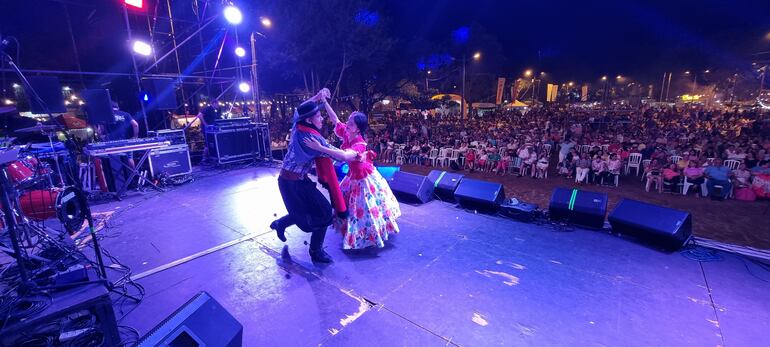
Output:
x=305 y=110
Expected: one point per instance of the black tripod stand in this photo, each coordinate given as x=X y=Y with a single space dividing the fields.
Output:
x=8 y=198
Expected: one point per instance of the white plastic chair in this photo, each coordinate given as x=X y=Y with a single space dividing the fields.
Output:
x=454 y=157
x=399 y=156
x=585 y=149
x=443 y=156
x=645 y=163
x=433 y=156
x=675 y=159
x=634 y=161
x=686 y=184
x=732 y=164
x=547 y=149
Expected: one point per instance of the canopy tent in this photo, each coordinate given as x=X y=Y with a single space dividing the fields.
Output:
x=452 y=97
x=515 y=104
x=477 y=105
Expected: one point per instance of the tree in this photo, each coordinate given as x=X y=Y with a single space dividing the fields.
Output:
x=325 y=43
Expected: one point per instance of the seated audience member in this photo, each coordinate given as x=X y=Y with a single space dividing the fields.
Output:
x=598 y=168
x=694 y=175
x=583 y=166
x=671 y=175
x=743 y=189
x=613 y=169
x=504 y=162
x=653 y=174
x=718 y=175
x=482 y=162
x=470 y=159
x=494 y=159
x=541 y=167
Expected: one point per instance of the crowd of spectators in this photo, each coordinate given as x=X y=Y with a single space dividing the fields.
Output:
x=706 y=152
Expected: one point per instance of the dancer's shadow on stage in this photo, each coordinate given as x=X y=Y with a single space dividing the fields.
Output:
x=369 y=252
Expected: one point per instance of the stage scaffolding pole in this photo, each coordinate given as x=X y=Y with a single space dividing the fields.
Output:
x=136 y=69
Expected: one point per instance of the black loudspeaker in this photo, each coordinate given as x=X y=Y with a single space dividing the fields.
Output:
x=161 y=94
x=202 y=321
x=98 y=106
x=83 y=311
x=172 y=161
x=445 y=184
x=578 y=207
x=654 y=224
x=479 y=195
x=412 y=188
x=49 y=90
x=115 y=173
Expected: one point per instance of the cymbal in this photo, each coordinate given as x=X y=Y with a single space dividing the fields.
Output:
x=40 y=128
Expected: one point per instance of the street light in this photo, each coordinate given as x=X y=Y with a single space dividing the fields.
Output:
x=476 y=56
x=604 y=78
x=233 y=15
x=619 y=77
x=266 y=22
x=240 y=52
x=528 y=73
x=570 y=84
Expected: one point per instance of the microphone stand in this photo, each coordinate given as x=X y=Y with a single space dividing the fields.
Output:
x=78 y=185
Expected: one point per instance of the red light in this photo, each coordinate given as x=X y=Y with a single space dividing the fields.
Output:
x=135 y=3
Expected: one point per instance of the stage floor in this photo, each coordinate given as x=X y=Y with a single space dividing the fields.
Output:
x=451 y=277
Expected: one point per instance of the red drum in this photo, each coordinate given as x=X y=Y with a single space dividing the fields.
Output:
x=63 y=203
x=20 y=173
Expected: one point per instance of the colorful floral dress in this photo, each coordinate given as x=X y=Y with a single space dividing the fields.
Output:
x=373 y=208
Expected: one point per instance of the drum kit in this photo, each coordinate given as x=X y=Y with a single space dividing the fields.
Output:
x=38 y=190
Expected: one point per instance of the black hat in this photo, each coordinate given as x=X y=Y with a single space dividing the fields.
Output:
x=305 y=110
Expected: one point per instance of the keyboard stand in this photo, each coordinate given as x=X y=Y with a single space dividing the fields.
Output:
x=134 y=173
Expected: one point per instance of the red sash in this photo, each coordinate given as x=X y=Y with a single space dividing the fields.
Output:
x=328 y=176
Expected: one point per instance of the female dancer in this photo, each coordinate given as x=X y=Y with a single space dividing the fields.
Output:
x=373 y=208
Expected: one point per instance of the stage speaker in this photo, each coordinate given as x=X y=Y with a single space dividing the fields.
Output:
x=49 y=90
x=98 y=106
x=578 y=207
x=445 y=184
x=202 y=321
x=663 y=226
x=161 y=94
x=412 y=188
x=479 y=195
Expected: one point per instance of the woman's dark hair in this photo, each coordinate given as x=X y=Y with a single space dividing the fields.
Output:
x=362 y=122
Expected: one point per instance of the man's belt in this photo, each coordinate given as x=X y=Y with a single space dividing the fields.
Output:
x=291 y=176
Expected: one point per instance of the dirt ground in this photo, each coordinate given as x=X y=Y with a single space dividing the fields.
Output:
x=730 y=221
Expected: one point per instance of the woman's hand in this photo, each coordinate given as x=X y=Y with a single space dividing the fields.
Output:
x=312 y=143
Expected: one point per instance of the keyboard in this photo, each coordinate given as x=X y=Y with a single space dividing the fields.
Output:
x=125 y=146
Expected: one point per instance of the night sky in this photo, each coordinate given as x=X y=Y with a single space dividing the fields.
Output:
x=571 y=40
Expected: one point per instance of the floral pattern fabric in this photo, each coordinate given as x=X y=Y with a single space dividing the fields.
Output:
x=373 y=212
x=372 y=205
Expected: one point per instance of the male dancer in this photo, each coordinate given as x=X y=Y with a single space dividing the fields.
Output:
x=307 y=207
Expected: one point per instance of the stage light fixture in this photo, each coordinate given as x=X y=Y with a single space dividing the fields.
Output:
x=142 y=48
x=233 y=15
x=135 y=3
x=240 y=52
x=244 y=87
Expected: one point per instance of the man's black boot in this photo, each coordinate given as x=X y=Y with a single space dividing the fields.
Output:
x=279 y=230
x=320 y=256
